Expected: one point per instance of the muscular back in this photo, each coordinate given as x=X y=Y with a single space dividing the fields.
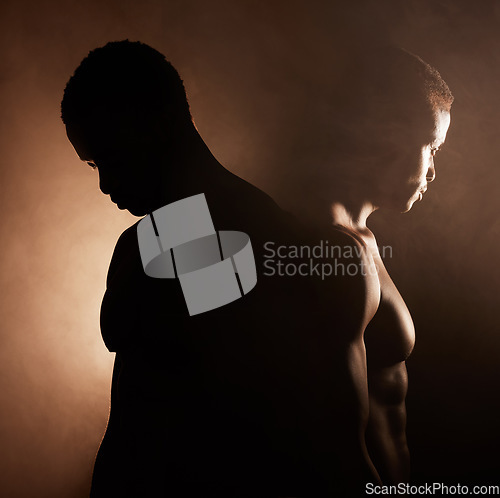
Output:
x=266 y=395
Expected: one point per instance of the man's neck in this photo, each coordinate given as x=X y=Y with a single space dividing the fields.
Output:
x=348 y=213
x=352 y=215
x=189 y=169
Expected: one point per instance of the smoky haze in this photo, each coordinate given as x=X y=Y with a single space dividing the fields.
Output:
x=254 y=71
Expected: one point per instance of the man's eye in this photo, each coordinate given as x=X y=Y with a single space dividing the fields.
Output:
x=91 y=164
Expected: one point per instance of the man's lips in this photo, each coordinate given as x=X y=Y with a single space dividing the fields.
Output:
x=118 y=201
x=421 y=191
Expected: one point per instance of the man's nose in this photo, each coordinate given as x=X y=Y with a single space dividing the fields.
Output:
x=105 y=182
x=431 y=173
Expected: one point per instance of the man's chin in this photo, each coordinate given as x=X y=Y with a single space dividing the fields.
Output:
x=399 y=207
x=138 y=212
x=134 y=210
x=408 y=207
x=410 y=202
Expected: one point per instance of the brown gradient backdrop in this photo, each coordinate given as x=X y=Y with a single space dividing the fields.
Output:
x=250 y=70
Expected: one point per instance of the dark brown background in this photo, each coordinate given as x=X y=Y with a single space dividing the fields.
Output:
x=249 y=68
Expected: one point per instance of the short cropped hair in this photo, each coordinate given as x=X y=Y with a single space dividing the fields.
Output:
x=401 y=78
x=380 y=94
x=125 y=78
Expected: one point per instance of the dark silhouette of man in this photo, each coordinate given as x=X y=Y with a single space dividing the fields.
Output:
x=272 y=394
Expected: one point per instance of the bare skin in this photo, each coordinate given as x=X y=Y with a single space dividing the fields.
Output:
x=390 y=335
x=311 y=413
x=389 y=339
x=255 y=398
x=298 y=388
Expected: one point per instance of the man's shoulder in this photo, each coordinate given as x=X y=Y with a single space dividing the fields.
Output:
x=126 y=249
x=127 y=241
x=341 y=273
x=240 y=205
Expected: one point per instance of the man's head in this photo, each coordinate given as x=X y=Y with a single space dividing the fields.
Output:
x=391 y=117
x=123 y=109
x=125 y=80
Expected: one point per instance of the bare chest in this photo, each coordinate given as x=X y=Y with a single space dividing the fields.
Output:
x=390 y=335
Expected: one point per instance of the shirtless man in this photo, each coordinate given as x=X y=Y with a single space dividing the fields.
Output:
x=392 y=116
x=275 y=393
